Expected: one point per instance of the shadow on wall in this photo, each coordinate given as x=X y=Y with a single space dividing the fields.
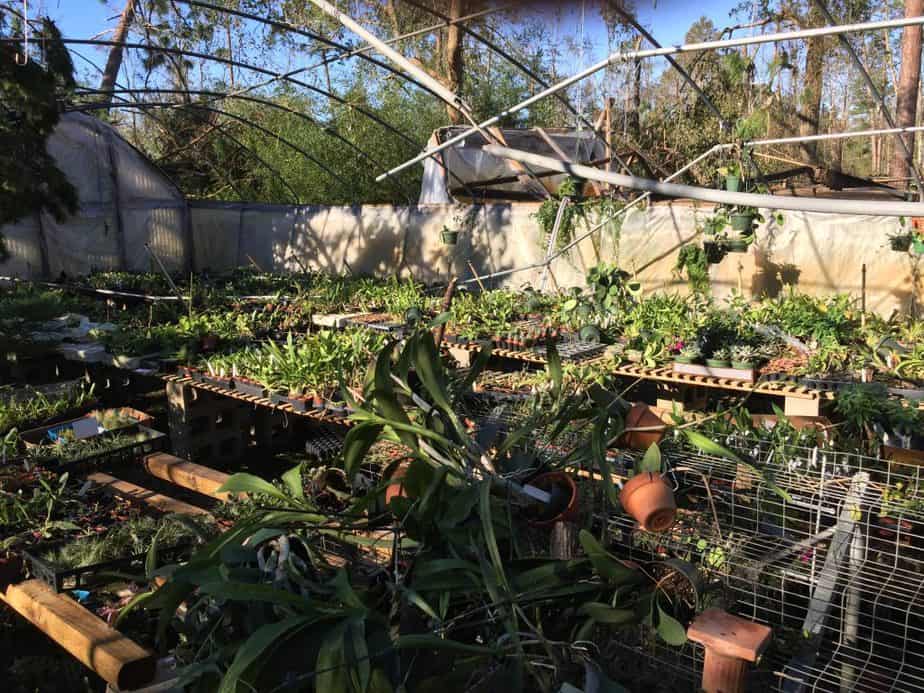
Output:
x=770 y=277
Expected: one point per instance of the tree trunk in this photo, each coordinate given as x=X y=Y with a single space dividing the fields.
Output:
x=114 y=61
x=810 y=99
x=453 y=58
x=907 y=92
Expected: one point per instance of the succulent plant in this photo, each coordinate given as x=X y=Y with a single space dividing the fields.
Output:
x=722 y=354
x=691 y=351
x=743 y=353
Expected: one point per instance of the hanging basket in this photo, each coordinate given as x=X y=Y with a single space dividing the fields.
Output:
x=449 y=237
x=732 y=183
x=742 y=222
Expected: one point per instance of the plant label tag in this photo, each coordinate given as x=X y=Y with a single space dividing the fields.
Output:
x=85 y=428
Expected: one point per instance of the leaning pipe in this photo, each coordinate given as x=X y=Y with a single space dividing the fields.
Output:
x=793 y=204
x=652 y=53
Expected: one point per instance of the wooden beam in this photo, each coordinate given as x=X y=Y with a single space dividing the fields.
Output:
x=117 y=659
x=194 y=477
x=139 y=494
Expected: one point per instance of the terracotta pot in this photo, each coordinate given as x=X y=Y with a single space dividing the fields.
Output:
x=564 y=483
x=649 y=499
x=641 y=416
x=395 y=487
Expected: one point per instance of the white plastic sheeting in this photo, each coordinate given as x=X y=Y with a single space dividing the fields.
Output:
x=125 y=203
x=815 y=253
x=468 y=163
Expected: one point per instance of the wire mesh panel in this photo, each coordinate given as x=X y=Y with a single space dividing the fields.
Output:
x=825 y=547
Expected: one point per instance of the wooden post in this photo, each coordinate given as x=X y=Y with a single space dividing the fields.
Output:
x=731 y=642
x=447 y=304
x=194 y=477
x=863 y=296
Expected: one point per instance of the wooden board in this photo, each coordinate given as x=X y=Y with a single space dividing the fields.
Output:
x=194 y=477
x=710 y=372
x=133 y=492
x=115 y=658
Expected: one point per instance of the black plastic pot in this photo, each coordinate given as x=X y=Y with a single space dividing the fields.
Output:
x=714 y=252
x=737 y=245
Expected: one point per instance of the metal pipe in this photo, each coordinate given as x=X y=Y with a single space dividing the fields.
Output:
x=217 y=95
x=658 y=52
x=644 y=33
x=833 y=136
x=435 y=86
x=797 y=204
x=600 y=224
x=218 y=111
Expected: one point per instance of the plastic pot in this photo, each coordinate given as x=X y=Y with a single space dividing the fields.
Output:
x=590 y=333
x=900 y=244
x=564 y=506
x=917 y=246
x=737 y=245
x=714 y=252
x=449 y=237
x=685 y=359
x=732 y=183
x=743 y=365
x=641 y=416
x=650 y=501
x=742 y=222
x=717 y=363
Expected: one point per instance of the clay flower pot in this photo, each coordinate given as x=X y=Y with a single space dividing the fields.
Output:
x=648 y=499
x=641 y=416
x=395 y=488
x=564 y=506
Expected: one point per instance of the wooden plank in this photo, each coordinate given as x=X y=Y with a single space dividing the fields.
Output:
x=914 y=458
x=133 y=492
x=115 y=658
x=696 y=369
x=194 y=477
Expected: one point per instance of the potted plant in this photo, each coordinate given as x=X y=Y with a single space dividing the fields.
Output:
x=564 y=504
x=449 y=236
x=721 y=358
x=917 y=243
x=647 y=497
x=689 y=353
x=743 y=357
x=900 y=242
x=732 y=175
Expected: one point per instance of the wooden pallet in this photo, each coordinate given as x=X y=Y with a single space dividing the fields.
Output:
x=139 y=494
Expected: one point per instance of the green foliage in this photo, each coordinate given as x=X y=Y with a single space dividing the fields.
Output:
x=30 y=182
x=692 y=259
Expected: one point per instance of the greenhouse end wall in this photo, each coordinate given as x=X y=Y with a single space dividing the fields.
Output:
x=817 y=253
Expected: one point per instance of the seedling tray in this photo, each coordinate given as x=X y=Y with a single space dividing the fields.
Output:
x=153 y=441
x=60 y=578
x=576 y=350
x=41 y=436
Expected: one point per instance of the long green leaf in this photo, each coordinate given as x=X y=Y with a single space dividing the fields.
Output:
x=606 y=565
x=670 y=629
x=356 y=445
x=433 y=642
x=651 y=462
x=248 y=592
x=604 y=613
x=361 y=671
x=256 y=646
x=331 y=664
x=243 y=482
x=710 y=447
x=555 y=369
x=293 y=481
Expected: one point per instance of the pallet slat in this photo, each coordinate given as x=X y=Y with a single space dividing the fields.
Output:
x=133 y=492
x=117 y=659
x=189 y=475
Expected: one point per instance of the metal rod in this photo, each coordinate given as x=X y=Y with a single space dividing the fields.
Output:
x=833 y=136
x=601 y=223
x=447 y=95
x=167 y=275
x=798 y=204
x=659 y=52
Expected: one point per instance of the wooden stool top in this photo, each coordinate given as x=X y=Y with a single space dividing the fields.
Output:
x=728 y=635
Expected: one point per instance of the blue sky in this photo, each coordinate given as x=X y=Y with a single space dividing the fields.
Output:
x=668 y=20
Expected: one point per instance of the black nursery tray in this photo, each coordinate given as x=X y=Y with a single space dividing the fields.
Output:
x=61 y=578
x=575 y=350
x=151 y=442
